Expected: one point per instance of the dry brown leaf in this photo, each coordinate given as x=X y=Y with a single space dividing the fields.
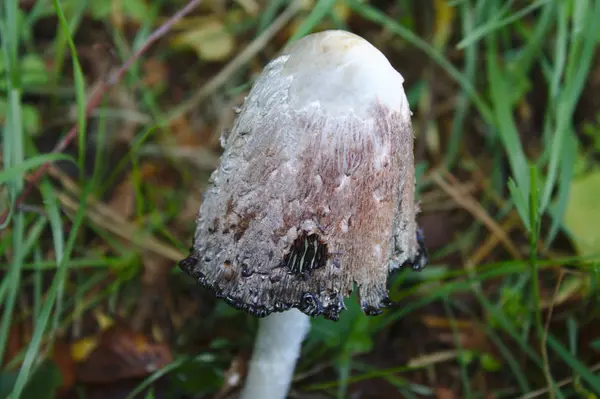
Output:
x=121 y=354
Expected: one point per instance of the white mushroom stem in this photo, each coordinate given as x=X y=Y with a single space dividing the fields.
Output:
x=276 y=352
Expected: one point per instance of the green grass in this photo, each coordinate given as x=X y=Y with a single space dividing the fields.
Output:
x=64 y=260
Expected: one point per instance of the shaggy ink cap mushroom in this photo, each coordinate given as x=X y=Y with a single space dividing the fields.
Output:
x=315 y=188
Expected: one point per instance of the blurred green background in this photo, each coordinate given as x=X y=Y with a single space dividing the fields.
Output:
x=505 y=96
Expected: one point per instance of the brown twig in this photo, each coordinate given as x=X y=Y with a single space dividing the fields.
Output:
x=103 y=216
x=559 y=384
x=97 y=95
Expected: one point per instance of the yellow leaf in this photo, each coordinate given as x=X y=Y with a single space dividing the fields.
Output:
x=582 y=216
x=103 y=320
x=210 y=39
x=81 y=349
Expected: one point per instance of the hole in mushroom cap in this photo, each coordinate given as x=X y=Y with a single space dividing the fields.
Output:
x=307 y=253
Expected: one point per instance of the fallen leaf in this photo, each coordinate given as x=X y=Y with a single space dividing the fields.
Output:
x=121 y=354
x=82 y=348
x=104 y=321
x=210 y=39
x=582 y=215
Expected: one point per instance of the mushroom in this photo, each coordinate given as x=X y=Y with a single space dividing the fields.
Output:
x=314 y=193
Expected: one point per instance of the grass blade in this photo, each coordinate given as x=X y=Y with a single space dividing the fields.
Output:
x=317 y=14
x=20 y=168
x=577 y=367
x=574 y=83
x=497 y=23
x=79 y=87
x=53 y=293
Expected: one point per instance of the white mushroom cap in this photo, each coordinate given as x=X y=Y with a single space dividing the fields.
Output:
x=345 y=73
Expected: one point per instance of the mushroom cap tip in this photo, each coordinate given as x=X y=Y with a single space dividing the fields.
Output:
x=342 y=72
